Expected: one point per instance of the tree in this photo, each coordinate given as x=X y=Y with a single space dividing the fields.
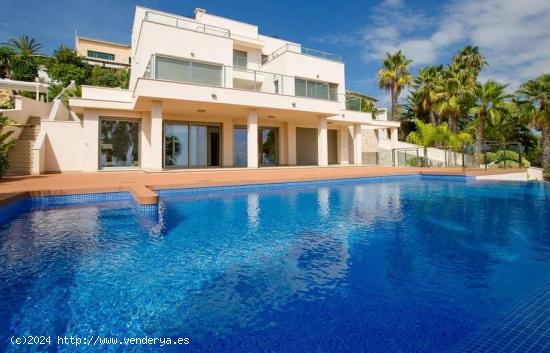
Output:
x=534 y=99
x=426 y=84
x=23 y=68
x=25 y=45
x=6 y=57
x=394 y=76
x=471 y=60
x=429 y=135
x=490 y=103
x=67 y=66
x=106 y=77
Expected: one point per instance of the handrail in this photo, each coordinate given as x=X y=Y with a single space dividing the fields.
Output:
x=294 y=48
x=224 y=31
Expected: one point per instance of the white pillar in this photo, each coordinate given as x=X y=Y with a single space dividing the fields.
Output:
x=322 y=143
x=227 y=142
x=252 y=139
x=90 y=126
x=156 y=136
x=393 y=137
x=357 y=145
x=344 y=145
x=291 y=131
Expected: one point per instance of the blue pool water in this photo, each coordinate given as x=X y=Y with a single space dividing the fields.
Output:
x=410 y=264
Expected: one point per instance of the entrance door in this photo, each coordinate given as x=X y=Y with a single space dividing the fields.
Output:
x=332 y=146
x=306 y=146
x=267 y=146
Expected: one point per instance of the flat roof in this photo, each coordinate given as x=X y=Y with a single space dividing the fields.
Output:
x=102 y=41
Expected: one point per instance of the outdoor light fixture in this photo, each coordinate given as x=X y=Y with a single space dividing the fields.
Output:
x=214 y=96
x=201 y=110
x=293 y=104
x=271 y=116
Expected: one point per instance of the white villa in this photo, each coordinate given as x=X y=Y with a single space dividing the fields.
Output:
x=205 y=92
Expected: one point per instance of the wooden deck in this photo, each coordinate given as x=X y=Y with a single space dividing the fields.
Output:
x=142 y=184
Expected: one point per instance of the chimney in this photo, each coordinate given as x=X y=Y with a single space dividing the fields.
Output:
x=199 y=12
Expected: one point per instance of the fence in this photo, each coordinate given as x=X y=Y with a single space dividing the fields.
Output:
x=485 y=156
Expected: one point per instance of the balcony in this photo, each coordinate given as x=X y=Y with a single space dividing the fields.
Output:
x=167 y=68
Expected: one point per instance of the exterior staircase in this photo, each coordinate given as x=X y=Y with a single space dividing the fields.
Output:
x=20 y=156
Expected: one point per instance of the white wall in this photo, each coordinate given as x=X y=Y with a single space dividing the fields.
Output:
x=64 y=145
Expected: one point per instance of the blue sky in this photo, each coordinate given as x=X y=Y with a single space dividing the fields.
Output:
x=514 y=35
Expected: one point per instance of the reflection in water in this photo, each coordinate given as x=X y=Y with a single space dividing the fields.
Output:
x=253 y=209
x=323 y=195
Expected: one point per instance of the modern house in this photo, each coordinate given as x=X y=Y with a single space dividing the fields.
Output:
x=207 y=91
x=103 y=53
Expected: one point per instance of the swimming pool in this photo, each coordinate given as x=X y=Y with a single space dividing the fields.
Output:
x=403 y=264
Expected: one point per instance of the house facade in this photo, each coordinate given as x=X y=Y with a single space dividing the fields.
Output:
x=207 y=91
x=103 y=53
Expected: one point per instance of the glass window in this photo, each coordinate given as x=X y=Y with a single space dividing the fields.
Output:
x=206 y=74
x=176 y=145
x=100 y=55
x=240 y=58
x=316 y=89
x=267 y=146
x=240 y=147
x=172 y=69
x=333 y=91
x=300 y=87
x=188 y=71
x=118 y=143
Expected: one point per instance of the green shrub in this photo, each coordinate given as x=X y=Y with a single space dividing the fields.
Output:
x=546 y=174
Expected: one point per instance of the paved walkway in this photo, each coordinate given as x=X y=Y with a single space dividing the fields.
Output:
x=142 y=184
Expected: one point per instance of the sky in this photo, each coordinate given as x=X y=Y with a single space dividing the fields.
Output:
x=514 y=35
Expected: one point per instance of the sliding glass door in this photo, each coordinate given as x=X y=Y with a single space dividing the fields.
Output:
x=118 y=143
x=267 y=146
x=176 y=145
x=191 y=145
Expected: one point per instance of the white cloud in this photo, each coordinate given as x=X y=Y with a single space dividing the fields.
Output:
x=513 y=35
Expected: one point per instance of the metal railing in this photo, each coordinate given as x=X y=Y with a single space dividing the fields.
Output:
x=492 y=154
x=190 y=24
x=484 y=156
x=294 y=48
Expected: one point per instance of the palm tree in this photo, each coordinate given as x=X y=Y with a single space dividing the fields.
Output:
x=426 y=84
x=535 y=100
x=428 y=135
x=394 y=75
x=25 y=45
x=453 y=95
x=490 y=103
x=471 y=60
x=6 y=57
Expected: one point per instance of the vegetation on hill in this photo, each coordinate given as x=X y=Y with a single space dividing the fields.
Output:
x=20 y=60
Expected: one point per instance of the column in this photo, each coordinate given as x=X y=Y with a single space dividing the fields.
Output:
x=322 y=142
x=227 y=143
x=344 y=145
x=252 y=139
x=155 y=159
x=393 y=137
x=90 y=126
x=291 y=131
x=357 y=145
